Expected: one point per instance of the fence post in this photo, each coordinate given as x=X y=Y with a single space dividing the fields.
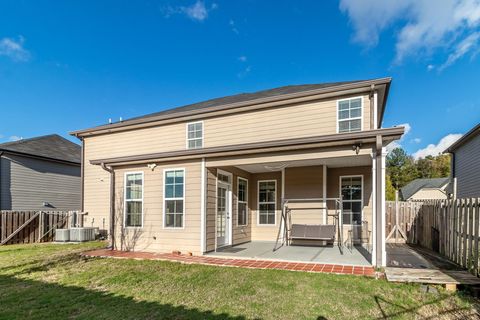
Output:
x=396 y=216
x=475 y=239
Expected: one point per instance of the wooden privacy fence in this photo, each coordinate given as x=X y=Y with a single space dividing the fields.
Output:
x=31 y=226
x=449 y=227
x=400 y=216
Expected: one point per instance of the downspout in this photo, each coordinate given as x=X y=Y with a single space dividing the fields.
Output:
x=82 y=176
x=110 y=170
x=453 y=179
x=372 y=108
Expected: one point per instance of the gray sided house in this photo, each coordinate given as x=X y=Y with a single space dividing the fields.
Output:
x=465 y=173
x=425 y=189
x=41 y=173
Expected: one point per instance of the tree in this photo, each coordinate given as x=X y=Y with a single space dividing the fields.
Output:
x=389 y=189
x=400 y=167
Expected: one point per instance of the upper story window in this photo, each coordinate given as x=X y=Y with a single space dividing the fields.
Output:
x=195 y=135
x=349 y=115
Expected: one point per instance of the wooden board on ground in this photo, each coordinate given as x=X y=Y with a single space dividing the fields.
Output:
x=448 y=278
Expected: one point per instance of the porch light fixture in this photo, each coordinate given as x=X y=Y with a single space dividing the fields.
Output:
x=152 y=166
x=356 y=148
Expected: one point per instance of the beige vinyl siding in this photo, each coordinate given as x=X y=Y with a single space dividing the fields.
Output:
x=300 y=120
x=264 y=232
x=428 y=193
x=467 y=164
x=153 y=236
x=305 y=183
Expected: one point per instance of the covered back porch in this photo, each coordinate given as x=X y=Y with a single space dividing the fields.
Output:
x=305 y=206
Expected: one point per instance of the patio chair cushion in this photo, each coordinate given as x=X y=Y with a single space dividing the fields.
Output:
x=313 y=231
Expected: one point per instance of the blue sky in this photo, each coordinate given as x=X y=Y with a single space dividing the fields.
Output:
x=75 y=64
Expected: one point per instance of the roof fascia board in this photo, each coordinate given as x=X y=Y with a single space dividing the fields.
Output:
x=256 y=104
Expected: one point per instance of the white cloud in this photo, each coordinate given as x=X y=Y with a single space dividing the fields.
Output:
x=15 y=138
x=197 y=11
x=435 y=149
x=233 y=27
x=398 y=144
x=14 y=49
x=425 y=25
x=430 y=67
x=242 y=58
x=242 y=74
x=416 y=140
x=461 y=49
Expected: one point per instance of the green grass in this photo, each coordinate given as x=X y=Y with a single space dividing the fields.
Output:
x=50 y=281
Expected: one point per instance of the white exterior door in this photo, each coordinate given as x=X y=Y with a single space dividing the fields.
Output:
x=223 y=215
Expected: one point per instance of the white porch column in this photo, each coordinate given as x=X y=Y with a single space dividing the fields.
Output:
x=324 y=187
x=282 y=223
x=203 y=200
x=374 y=209
x=383 y=213
x=379 y=254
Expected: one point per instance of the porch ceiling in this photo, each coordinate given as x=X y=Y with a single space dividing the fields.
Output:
x=357 y=161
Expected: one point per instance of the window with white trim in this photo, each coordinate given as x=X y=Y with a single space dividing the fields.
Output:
x=174 y=198
x=134 y=199
x=266 y=202
x=350 y=115
x=195 y=135
x=242 y=205
x=351 y=189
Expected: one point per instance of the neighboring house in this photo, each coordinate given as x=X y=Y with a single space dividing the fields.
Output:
x=465 y=164
x=215 y=173
x=41 y=173
x=425 y=189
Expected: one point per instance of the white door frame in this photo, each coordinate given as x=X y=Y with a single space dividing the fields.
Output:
x=229 y=224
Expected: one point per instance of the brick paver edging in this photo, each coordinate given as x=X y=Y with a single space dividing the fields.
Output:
x=241 y=263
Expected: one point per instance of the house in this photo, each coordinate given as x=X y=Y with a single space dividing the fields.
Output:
x=465 y=161
x=243 y=169
x=425 y=189
x=41 y=173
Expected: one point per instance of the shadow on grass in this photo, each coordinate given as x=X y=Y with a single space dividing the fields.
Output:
x=22 y=299
x=456 y=312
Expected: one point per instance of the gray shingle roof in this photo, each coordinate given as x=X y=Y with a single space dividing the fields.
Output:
x=51 y=146
x=417 y=184
x=245 y=97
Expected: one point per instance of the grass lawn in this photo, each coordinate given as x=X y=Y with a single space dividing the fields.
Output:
x=48 y=281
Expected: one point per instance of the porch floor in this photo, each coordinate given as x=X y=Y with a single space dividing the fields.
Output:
x=357 y=256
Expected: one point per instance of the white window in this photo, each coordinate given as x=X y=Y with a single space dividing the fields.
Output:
x=195 y=135
x=266 y=202
x=242 y=205
x=351 y=188
x=133 y=199
x=349 y=115
x=174 y=198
